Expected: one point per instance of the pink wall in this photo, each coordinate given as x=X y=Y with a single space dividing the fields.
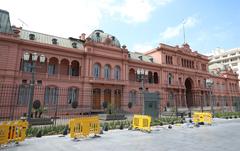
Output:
x=12 y=49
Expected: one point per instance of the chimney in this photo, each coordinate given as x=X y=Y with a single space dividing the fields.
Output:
x=82 y=37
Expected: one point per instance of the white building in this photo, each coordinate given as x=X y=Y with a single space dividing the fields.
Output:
x=225 y=58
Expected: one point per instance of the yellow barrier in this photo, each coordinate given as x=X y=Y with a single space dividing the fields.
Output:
x=142 y=122
x=13 y=131
x=83 y=127
x=202 y=117
x=4 y=133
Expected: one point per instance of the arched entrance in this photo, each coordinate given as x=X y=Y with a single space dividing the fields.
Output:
x=189 y=96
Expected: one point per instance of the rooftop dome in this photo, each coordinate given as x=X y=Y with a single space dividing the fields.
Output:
x=5 y=25
x=101 y=37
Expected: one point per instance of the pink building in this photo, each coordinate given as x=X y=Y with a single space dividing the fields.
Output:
x=98 y=68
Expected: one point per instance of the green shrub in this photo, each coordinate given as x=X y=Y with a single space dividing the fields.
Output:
x=46 y=130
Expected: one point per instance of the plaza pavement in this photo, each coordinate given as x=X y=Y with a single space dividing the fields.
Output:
x=223 y=135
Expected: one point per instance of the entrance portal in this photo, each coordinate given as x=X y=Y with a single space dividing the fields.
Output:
x=188 y=86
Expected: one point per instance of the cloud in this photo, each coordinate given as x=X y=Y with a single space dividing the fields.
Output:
x=61 y=18
x=172 y=32
x=142 y=47
x=135 y=11
x=71 y=18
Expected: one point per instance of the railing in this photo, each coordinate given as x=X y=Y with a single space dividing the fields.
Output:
x=146 y=84
x=106 y=81
x=173 y=84
x=38 y=75
x=14 y=99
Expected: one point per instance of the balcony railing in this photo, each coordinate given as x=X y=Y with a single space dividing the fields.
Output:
x=28 y=75
x=173 y=84
x=106 y=81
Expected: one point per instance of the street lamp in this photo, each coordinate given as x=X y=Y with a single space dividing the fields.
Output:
x=209 y=83
x=141 y=73
x=26 y=57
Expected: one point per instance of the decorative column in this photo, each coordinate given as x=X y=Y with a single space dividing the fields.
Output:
x=69 y=70
x=59 y=68
x=102 y=97
x=47 y=68
x=112 y=97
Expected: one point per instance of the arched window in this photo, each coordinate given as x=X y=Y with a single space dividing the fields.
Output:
x=132 y=75
x=74 y=70
x=132 y=96
x=107 y=72
x=51 y=95
x=72 y=95
x=155 y=77
x=64 y=67
x=117 y=73
x=150 y=77
x=96 y=71
x=52 y=66
x=170 y=78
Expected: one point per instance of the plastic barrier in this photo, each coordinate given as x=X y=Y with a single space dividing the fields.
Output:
x=4 y=133
x=13 y=131
x=142 y=122
x=83 y=127
x=202 y=117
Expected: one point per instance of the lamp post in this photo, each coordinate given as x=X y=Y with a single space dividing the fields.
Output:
x=141 y=73
x=209 y=83
x=26 y=57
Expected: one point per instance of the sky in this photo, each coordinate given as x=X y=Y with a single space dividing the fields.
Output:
x=139 y=24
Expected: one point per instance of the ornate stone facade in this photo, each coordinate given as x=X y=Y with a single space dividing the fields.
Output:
x=98 y=68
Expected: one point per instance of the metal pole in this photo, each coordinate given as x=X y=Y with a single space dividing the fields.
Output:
x=176 y=104
x=31 y=92
x=211 y=101
x=142 y=80
x=202 y=101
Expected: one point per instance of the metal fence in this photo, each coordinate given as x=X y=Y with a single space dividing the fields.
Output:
x=57 y=103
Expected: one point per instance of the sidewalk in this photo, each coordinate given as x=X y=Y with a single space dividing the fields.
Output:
x=222 y=135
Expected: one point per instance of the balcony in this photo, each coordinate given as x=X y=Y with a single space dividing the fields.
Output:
x=146 y=84
x=46 y=76
x=104 y=81
x=173 y=85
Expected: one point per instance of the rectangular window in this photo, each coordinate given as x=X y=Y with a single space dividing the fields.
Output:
x=233 y=59
x=132 y=97
x=72 y=95
x=74 y=72
x=169 y=59
x=51 y=95
x=204 y=67
x=23 y=94
x=27 y=66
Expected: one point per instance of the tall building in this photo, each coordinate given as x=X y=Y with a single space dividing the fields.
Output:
x=96 y=68
x=227 y=58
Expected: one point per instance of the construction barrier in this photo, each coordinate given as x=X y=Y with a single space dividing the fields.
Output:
x=4 y=133
x=142 y=122
x=13 y=131
x=84 y=126
x=202 y=117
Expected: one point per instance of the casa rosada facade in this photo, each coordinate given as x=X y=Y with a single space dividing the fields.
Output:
x=97 y=68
